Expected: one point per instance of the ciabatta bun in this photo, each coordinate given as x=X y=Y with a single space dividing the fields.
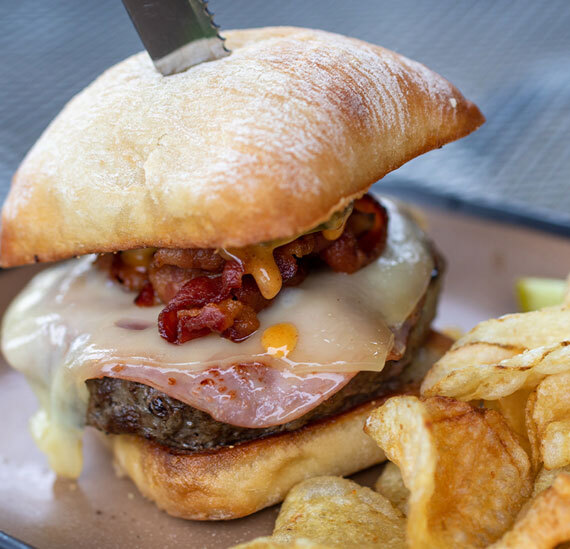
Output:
x=264 y=144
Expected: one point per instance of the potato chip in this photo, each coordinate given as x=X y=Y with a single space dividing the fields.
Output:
x=546 y=478
x=467 y=474
x=339 y=513
x=334 y=512
x=548 y=421
x=545 y=523
x=512 y=408
x=499 y=366
x=391 y=485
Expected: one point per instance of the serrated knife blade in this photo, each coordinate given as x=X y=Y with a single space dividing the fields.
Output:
x=176 y=33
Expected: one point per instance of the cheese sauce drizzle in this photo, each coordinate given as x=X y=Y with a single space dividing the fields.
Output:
x=259 y=262
x=280 y=340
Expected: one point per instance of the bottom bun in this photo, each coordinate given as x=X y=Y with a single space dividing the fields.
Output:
x=236 y=481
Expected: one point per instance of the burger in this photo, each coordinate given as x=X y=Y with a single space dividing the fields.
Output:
x=233 y=302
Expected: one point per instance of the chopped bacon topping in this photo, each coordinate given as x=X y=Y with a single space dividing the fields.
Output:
x=205 y=293
x=133 y=278
x=205 y=259
x=231 y=318
x=180 y=320
x=168 y=280
x=147 y=297
x=356 y=247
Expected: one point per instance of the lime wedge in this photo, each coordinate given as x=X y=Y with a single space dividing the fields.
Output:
x=536 y=293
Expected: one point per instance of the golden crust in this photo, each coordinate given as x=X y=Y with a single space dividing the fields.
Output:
x=235 y=482
x=260 y=145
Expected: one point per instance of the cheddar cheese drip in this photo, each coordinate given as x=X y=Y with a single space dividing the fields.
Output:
x=259 y=262
x=280 y=339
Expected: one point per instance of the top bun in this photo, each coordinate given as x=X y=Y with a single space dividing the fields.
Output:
x=264 y=144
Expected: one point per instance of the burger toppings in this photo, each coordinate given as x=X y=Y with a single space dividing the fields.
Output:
x=120 y=406
x=222 y=291
x=345 y=324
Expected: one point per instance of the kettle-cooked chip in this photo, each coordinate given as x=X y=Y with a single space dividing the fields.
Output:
x=334 y=512
x=466 y=471
x=495 y=367
x=391 y=485
x=339 y=513
x=545 y=479
x=512 y=408
x=545 y=523
x=548 y=421
x=502 y=361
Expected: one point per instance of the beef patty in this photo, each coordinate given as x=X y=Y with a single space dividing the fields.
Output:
x=118 y=406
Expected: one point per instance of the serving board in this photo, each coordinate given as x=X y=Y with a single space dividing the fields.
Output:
x=103 y=510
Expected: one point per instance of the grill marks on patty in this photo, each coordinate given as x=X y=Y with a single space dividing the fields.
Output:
x=206 y=293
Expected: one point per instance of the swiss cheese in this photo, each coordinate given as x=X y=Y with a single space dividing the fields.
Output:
x=72 y=323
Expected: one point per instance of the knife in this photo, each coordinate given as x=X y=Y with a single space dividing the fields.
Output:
x=176 y=33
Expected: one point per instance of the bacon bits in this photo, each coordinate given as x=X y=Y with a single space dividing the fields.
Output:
x=146 y=297
x=205 y=293
x=363 y=239
x=192 y=312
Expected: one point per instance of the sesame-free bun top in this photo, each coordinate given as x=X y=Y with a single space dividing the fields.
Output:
x=260 y=145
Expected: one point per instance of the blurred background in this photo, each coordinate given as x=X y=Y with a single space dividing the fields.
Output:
x=511 y=58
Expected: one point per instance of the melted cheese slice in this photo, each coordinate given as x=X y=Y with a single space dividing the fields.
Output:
x=71 y=323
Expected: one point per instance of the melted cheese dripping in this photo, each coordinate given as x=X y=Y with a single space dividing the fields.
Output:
x=259 y=262
x=71 y=323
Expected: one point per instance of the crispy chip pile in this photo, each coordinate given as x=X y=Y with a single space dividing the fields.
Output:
x=334 y=512
x=512 y=408
x=466 y=472
x=501 y=356
x=548 y=421
x=545 y=522
x=391 y=485
x=519 y=365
